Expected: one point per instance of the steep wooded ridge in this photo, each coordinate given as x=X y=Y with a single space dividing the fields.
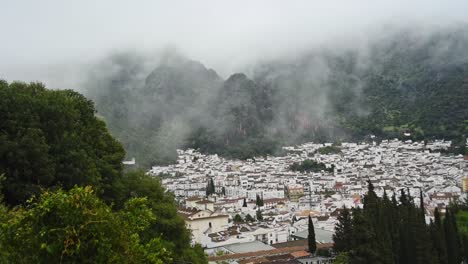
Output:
x=401 y=81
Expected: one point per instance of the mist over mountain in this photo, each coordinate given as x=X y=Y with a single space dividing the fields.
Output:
x=400 y=80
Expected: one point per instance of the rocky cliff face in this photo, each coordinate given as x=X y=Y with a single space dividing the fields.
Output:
x=404 y=81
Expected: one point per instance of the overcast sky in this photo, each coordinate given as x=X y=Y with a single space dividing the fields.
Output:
x=45 y=40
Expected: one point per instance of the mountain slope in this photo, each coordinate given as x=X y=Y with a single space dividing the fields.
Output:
x=402 y=81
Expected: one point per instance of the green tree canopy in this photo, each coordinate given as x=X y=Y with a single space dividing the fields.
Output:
x=53 y=138
x=77 y=227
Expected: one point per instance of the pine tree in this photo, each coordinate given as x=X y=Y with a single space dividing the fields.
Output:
x=259 y=215
x=465 y=248
x=343 y=230
x=438 y=238
x=362 y=246
x=384 y=229
x=208 y=189
x=423 y=242
x=451 y=238
x=394 y=214
x=237 y=218
x=421 y=206
x=212 y=186
x=257 y=201
x=311 y=237
x=249 y=218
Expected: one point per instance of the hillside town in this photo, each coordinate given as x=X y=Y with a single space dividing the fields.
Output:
x=236 y=208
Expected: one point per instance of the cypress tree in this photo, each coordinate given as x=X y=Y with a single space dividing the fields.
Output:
x=259 y=215
x=343 y=230
x=403 y=198
x=311 y=237
x=421 y=206
x=438 y=238
x=456 y=238
x=362 y=243
x=257 y=201
x=212 y=186
x=395 y=228
x=453 y=256
x=208 y=189
x=465 y=248
x=384 y=229
x=423 y=243
x=406 y=249
x=421 y=238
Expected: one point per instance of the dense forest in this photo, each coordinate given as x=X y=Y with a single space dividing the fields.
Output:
x=64 y=196
x=400 y=81
x=387 y=230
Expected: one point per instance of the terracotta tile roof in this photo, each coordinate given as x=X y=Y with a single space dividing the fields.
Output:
x=265 y=253
x=203 y=202
x=195 y=198
x=300 y=254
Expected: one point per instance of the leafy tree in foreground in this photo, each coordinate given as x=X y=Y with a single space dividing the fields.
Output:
x=169 y=225
x=51 y=141
x=77 y=227
x=53 y=138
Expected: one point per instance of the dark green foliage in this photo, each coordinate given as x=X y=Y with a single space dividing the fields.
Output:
x=259 y=201
x=323 y=252
x=438 y=237
x=169 y=225
x=329 y=150
x=210 y=187
x=342 y=258
x=237 y=218
x=452 y=238
x=310 y=166
x=342 y=235
x=259 y=215
x=52 y=138
x=77 y=227
x=363 y=247
x=386 y=231
x=51 y=141
x=249 y=218
x=311 y=242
